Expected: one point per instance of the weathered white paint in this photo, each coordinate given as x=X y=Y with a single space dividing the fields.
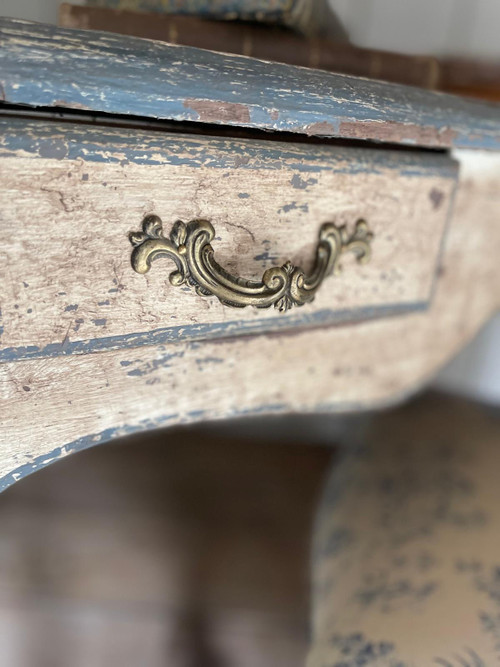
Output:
x=48 y=403
x=65 y=222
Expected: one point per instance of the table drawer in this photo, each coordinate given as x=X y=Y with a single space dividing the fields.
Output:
x=72 y=194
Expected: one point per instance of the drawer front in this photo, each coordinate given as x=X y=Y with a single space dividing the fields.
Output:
x=71 y=195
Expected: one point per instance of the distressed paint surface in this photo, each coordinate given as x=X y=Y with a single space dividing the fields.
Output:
x=71 y=194
x=41 y=65
x=51 y=407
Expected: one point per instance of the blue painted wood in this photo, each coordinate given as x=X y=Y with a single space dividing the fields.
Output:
x=78 y=141
x=45 y=66
x=167 y=420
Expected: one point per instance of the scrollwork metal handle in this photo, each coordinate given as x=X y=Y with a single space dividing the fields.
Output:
x=282 y=286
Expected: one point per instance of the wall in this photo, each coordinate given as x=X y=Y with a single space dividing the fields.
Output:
x=437 y=27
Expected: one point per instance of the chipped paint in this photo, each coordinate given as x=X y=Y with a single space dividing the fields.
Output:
x=300 y=183
x=293 y=206
x=53 y=149
x=395 y=132
x=164 y=361
x=204 y=361
x=210 y=111
x=437 y=197
x=134 y=316
x=18 y=135
x=205 y=331
x=43 y=65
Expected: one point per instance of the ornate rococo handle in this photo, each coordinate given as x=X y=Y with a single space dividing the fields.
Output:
x=282 y=286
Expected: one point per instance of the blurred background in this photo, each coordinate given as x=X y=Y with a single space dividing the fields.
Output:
x=197 y=553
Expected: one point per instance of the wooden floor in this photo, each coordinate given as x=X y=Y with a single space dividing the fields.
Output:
x=188 y=548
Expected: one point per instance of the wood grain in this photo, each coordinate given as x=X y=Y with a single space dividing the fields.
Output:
x=71 y=194
x=52 y=407
x=44 y=66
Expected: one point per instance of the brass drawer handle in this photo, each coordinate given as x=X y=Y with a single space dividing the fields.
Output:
x=282 y=286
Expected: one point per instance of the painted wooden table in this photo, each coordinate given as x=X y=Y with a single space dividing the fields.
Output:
x=275 y=171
